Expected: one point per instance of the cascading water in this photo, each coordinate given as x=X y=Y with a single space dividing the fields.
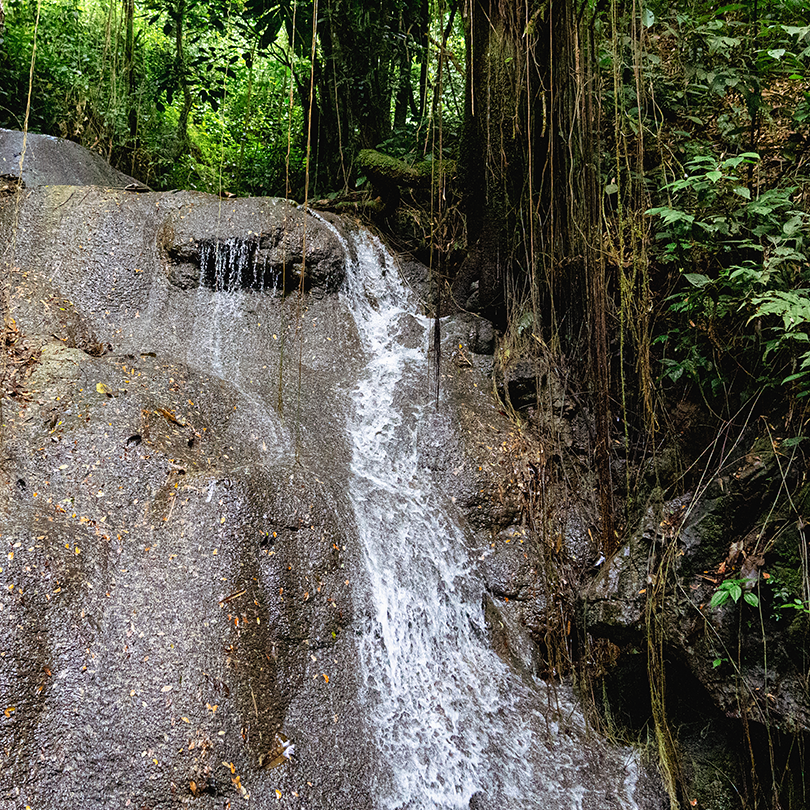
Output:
x=452 y=719
x=222 y=266
x=455 y=727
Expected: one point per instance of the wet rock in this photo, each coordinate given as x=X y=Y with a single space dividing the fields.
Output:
x=168 y=595
x=740 y=529
x=510 y=638
x=505 y=566
x=419 y=279
x=180 y=576
x=253 y=244
x=53 y=161
x=188 y=588
x=474 y=333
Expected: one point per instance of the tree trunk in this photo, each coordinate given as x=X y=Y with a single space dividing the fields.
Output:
x=531 y=191
x=491 y=157
x=358 y=58
x=181 y=142
x=129 y=73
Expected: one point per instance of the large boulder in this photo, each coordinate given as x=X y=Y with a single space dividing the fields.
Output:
x=53 y=161
x=172 y=512
x=187 y=613
x=735 y=672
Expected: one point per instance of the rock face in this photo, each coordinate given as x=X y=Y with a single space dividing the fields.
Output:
x=250 y=245
x=744 y=659
x=53 y=161
x=183 y=589
x=179 y=590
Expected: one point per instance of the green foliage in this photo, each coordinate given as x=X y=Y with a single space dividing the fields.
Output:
x=798 y=604
x=730 y=105
x=733 y=589
x=742 y=260
x=239 y=117
x=146 y=90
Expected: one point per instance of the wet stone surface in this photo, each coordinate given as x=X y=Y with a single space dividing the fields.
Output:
x=182 y=590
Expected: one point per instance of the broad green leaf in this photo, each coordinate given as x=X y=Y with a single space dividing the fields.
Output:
x=796 y=31
x=670 y=215
x=697 y=279
x=743 y=192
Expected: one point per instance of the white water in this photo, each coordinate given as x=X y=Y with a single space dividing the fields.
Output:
x=451 y=719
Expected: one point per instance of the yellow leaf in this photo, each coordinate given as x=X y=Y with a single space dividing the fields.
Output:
x=185 y=719
x=103 y=389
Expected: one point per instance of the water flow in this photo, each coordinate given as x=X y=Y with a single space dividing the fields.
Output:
x=452 y=720
x=440 y=699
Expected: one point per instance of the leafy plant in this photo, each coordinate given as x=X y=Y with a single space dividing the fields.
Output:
x=742 y=260
x=733 y=589
x=798 y=604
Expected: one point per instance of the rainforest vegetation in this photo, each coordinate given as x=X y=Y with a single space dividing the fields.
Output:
x=618 y=185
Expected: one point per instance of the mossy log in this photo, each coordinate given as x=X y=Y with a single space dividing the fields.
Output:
x=384 y=169
x=388 y=174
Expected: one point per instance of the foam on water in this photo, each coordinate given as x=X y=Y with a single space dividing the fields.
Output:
x=439 y=697
x=451 y=718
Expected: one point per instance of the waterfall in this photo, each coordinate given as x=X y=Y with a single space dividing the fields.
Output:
x=453 y=722
x=228 y=267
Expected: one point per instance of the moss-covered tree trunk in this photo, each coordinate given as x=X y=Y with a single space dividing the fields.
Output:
x=529 y=172
x=491 y=158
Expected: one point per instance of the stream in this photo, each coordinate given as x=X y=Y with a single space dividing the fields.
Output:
x=453 y=723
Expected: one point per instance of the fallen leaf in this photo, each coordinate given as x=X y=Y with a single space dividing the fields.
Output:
x=280 y=753
x=169 y=416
